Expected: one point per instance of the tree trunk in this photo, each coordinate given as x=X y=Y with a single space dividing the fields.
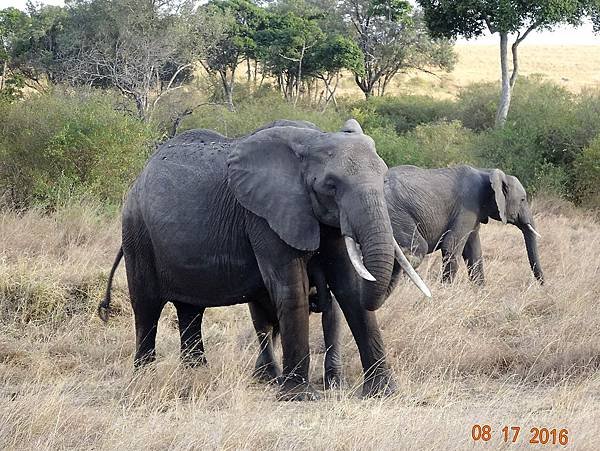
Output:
x=506 y=91
x=2 y=80
x=227 y=89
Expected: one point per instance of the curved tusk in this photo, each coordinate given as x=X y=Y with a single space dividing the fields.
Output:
x=356 y=259
x=530 y=227
x=410 y=271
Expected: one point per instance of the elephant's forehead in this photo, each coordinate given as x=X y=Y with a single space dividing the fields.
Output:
x=355 y=163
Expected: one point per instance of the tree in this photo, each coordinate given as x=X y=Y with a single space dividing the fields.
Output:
x=140 y=48
x=29 y=45
x=392 y=38
x=283 y=44
x=12 y=22
x=472 y=18
x=329 y=58
x=239 y=20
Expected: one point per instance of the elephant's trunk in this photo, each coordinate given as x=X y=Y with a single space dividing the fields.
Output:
x=530 y=234
x=365 y=219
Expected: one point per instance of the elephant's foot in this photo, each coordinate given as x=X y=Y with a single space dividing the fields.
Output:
x=293 y=391
x=333 y=380
x=379 y=385
x=269 y=373
x=142 y=360
x=193 y=359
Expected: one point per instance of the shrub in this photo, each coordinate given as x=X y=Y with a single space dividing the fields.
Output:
x=402 y=113
x=431 y=145
x=258 y=111
x=587 y=176
x=476 y=106
x=58 y=145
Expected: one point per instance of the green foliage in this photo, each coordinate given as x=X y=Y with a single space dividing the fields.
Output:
x=587 y=175
x=402 y=113
x=471 y=18
x=59 y=145
x=430 y=145
x=255 y=112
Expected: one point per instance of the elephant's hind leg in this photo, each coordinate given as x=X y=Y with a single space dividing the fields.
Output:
x=473 y=258
x=144 y=292
x=190 y=332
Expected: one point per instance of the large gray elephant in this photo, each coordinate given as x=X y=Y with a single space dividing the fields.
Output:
x=212 y=222
x=442 y=209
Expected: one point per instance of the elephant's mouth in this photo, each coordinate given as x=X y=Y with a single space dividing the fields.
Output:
x=356 y=257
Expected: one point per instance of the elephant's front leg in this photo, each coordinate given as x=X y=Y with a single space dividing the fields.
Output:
x=284 y=274
x=473 y=258
x=363 y=324
x=330 y=320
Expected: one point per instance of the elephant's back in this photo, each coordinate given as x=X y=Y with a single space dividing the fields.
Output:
x=427 y=196
x=195 y=224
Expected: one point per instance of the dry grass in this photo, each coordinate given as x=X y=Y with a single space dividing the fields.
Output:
x=512 y=353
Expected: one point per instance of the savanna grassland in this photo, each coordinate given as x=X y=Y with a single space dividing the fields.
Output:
x=512 y=353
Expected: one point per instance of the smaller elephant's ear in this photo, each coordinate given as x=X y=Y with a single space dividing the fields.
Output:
x=352 y=126
x=264 y=173
x=498 y=182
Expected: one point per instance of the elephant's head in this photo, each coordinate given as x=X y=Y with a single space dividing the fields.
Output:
x=298 y=178
x=510 y=206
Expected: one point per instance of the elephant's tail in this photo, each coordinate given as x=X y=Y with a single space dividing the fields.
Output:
x=104 y=306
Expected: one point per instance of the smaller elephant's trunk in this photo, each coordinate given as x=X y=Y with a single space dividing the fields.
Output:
x=530 y=234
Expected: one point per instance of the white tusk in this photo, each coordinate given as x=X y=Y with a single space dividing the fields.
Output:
x=530 y=227
x=410 y=271
x=356 y=259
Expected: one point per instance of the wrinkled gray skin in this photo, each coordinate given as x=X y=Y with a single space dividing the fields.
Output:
x=430 y=209
x=213 y=221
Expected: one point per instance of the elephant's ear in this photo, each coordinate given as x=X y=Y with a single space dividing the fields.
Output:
x=264 y=173
x=498 y=182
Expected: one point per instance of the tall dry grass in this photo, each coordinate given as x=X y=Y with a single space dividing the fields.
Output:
x=512 y=353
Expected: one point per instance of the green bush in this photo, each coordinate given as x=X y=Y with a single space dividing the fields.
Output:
x=256 y=112
x=402 y=113
x=587 y=176
x=431 y=145
x=476 y=106
x=58 y=145
x=546 y=130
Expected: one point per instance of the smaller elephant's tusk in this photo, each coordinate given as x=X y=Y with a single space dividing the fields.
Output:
x=356 y=259
x=530 y=227
x=410 y=271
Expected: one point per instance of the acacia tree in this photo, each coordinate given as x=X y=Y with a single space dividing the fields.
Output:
x=393 y=38
x=472 y=18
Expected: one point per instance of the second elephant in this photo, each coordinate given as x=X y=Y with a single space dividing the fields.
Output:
x=442 y=209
